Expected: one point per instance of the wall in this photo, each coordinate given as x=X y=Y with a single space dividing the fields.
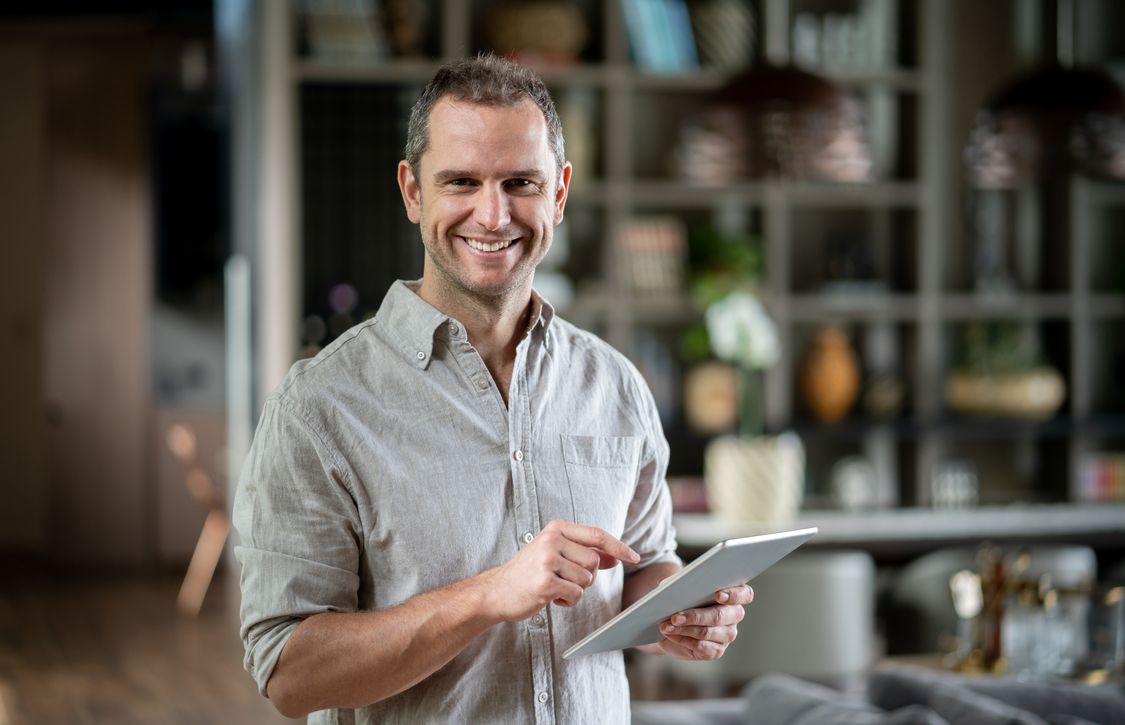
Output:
x=23 y=493
x=74 y=293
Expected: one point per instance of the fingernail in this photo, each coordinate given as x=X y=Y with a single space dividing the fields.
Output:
x=679 y=619
x=669 y=628
x=724 y=596
x=635 y=555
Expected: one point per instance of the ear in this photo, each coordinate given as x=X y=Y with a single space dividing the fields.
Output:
x=411 y=194
x=561 y=192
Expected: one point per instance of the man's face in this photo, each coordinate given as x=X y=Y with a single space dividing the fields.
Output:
x=488 y=197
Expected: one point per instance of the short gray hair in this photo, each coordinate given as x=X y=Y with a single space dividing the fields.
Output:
x=488 y=80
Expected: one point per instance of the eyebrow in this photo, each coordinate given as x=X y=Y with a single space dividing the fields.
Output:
x=451 y=174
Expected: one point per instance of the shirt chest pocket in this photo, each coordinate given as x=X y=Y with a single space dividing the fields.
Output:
x=602 y=475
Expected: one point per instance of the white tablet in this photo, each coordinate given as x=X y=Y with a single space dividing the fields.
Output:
x=729 y=563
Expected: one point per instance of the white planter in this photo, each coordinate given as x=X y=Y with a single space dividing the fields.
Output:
x=755 y=479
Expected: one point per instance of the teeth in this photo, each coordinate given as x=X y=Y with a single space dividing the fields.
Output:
x=488 y=247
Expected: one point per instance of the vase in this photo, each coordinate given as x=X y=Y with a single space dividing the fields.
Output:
x=830 y=376
x=755 y=479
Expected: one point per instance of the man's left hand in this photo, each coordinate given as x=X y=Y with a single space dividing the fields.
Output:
x=704 y=633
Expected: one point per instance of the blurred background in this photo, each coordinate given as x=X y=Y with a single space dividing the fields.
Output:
x=868 y=254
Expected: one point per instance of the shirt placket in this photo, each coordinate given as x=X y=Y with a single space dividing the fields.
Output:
x=529 y=522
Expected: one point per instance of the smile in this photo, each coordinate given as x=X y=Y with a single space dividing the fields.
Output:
x=486 y=247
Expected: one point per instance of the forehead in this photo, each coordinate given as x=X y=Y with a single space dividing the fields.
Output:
x=462 y=131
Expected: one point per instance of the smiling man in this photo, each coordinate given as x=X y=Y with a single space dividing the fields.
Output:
x=453 y=493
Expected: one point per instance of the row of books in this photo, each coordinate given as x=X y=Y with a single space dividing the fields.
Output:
x=1102 y=477
x=650 y=256
x=661 y=36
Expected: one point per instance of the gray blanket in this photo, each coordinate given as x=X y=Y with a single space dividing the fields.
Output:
x=915 y=696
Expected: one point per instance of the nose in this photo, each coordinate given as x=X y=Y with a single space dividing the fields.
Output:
x=492 y=209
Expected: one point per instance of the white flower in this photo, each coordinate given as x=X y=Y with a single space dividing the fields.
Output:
x=742 y=332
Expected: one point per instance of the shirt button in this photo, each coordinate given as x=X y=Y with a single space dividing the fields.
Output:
x=542 y=697
x=537 y=619
x=454 y=328
x=527 y=537
x=482 y=383
x=421 y=355
x=519 y=455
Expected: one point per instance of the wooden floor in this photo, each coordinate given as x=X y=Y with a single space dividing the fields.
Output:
x=87 y=650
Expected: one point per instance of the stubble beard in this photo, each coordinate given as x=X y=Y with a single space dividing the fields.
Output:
x=458 y=281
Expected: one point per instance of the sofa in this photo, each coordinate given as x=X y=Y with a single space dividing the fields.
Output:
x=900 y=695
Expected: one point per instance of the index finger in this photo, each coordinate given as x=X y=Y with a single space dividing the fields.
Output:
x=596 y=538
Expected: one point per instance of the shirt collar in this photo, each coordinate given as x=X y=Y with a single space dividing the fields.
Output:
x=411 y=322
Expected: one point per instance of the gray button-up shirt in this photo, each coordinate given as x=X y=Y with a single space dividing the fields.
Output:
x=389 y=466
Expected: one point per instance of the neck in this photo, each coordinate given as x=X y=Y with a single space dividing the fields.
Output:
x=494 y=325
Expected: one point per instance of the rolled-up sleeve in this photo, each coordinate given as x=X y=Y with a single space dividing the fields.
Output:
x=300 y=535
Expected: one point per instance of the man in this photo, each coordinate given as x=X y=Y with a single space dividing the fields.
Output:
x=436 y=506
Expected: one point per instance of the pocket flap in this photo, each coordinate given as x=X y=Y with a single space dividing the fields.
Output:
x=601 y=451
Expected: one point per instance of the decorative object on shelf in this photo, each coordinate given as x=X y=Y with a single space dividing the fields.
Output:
x=650 y=256
x=1029 y=395
x=867 y=39
x=884 y=392
x=776 y=122
x=1037 y=614
x=750 y=477
x=406 y=22
x=830 y=375
x=711 y=398
x=742 y=332
x=551 y=282
x=954 y=485
x=1051 y=123
x=854 y=484
x=660 y=35
x=849 y=266
x=541 y=33
x=1002 y=374
x=1031 y=136
x=883 y=396
x=343 y=31
x=755 y=479
x=722 y=261
x=724 y=33
x=1102 y=477
x=689 y=494
x=577 y=106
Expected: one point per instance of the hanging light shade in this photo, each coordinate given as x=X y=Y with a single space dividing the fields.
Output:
x=1055 y=121
x=781 y=122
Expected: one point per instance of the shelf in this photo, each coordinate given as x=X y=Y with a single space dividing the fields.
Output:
x=901 y=79
x=703 y=81
x=958 y=428
x=680 y=310
x=858 y=307
x=969 y=306
x=680 y=195
x=920 y=525
x=396 y=71
x=1107 y=305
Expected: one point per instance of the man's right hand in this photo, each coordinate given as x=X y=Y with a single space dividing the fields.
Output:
x=557 y=566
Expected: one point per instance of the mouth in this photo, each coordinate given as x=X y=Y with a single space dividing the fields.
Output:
x=489 y=246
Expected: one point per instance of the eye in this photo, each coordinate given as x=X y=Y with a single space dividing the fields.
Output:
x=521 y=184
